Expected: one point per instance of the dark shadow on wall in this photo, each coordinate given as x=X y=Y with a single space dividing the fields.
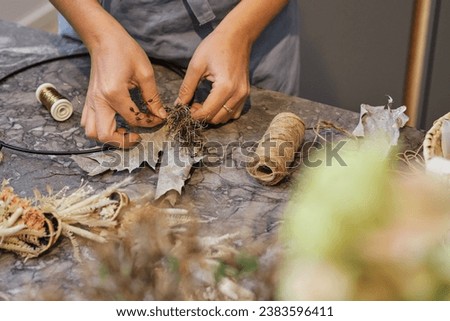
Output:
x=354 y=51
x=315 y=81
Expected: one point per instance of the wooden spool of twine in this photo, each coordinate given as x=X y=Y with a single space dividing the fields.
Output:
x=276 y=150
x=59 y=106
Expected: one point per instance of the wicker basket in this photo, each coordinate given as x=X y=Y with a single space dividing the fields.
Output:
x=432 y=147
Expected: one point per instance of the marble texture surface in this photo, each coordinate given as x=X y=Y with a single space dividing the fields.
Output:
x=225 y=193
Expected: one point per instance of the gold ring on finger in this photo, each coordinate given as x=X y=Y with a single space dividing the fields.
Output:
x=227 y=109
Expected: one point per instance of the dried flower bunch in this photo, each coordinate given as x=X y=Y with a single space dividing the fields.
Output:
x=30 y=227
x=25 y=229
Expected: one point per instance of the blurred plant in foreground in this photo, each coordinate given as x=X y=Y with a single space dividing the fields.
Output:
x=361 y=232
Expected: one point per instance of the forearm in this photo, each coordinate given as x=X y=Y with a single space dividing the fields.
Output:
x=250 y=17
x=90 y=20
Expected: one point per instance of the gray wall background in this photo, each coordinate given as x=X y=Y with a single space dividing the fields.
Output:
x=356 y=52
x=438 y=102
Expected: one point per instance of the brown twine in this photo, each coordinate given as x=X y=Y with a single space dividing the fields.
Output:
x=413 y=160
x=324 y=124
x=276 y=149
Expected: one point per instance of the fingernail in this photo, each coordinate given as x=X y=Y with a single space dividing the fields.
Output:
x=162 y=113
x=178 y=101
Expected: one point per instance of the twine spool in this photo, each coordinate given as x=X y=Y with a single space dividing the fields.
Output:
x=59 y=106
x=276 y=150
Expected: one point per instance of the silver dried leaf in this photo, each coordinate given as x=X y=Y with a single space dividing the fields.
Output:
x=376 y=121
x=176 y=164
x=147 y=151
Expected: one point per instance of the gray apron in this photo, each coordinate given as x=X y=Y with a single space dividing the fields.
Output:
x=171 y=30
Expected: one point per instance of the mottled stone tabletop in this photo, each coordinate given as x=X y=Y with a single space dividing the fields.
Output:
x=225 y=193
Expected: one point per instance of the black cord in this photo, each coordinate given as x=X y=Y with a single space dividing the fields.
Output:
x=172 y=67
x=56 y=153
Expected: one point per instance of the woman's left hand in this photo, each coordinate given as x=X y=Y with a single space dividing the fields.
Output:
x=222 y=58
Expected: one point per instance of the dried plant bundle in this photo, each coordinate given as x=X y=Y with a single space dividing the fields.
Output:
x=29 y=230
x=182 y=127
x=162 y=255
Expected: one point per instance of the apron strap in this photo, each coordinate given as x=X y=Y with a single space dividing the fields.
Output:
x=202 y=11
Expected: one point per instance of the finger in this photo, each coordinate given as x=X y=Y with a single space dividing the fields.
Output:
x=107 y=132
x=190 y=82
x=149 y=91
x=232 y=111
x=83 y=117
x=219 y=95
x=125 y=106
x=90 y=127
x=86 y=107
x=195 y=107
x=239 y=109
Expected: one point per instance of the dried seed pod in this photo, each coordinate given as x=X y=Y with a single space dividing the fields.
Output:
x=432 y=145
x=436 y=148
x=40 y=232
x=122 y=201
x=276 y=149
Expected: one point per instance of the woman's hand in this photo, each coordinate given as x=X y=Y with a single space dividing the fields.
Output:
x=222 y=58
x=119 y=64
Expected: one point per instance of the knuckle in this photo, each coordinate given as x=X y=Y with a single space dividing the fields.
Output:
x=184 y=90
x=227 y=86
x=104 y=137
x=195 y=66
x=155 y=99
x=90 y=134
x=243 y=91
x=147 y=75
x=110 y=91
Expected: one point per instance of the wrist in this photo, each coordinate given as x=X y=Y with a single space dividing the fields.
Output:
x=249 y=18
x=105 y=32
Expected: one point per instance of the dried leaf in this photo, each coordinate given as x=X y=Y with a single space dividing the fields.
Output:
x=118 y=160
x=381 y=122
x=175 y=167
x=176 y=161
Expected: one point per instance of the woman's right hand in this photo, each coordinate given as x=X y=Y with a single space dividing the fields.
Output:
x=119 y=64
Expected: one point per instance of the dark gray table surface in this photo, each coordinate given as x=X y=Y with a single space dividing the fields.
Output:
x=225 y=193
